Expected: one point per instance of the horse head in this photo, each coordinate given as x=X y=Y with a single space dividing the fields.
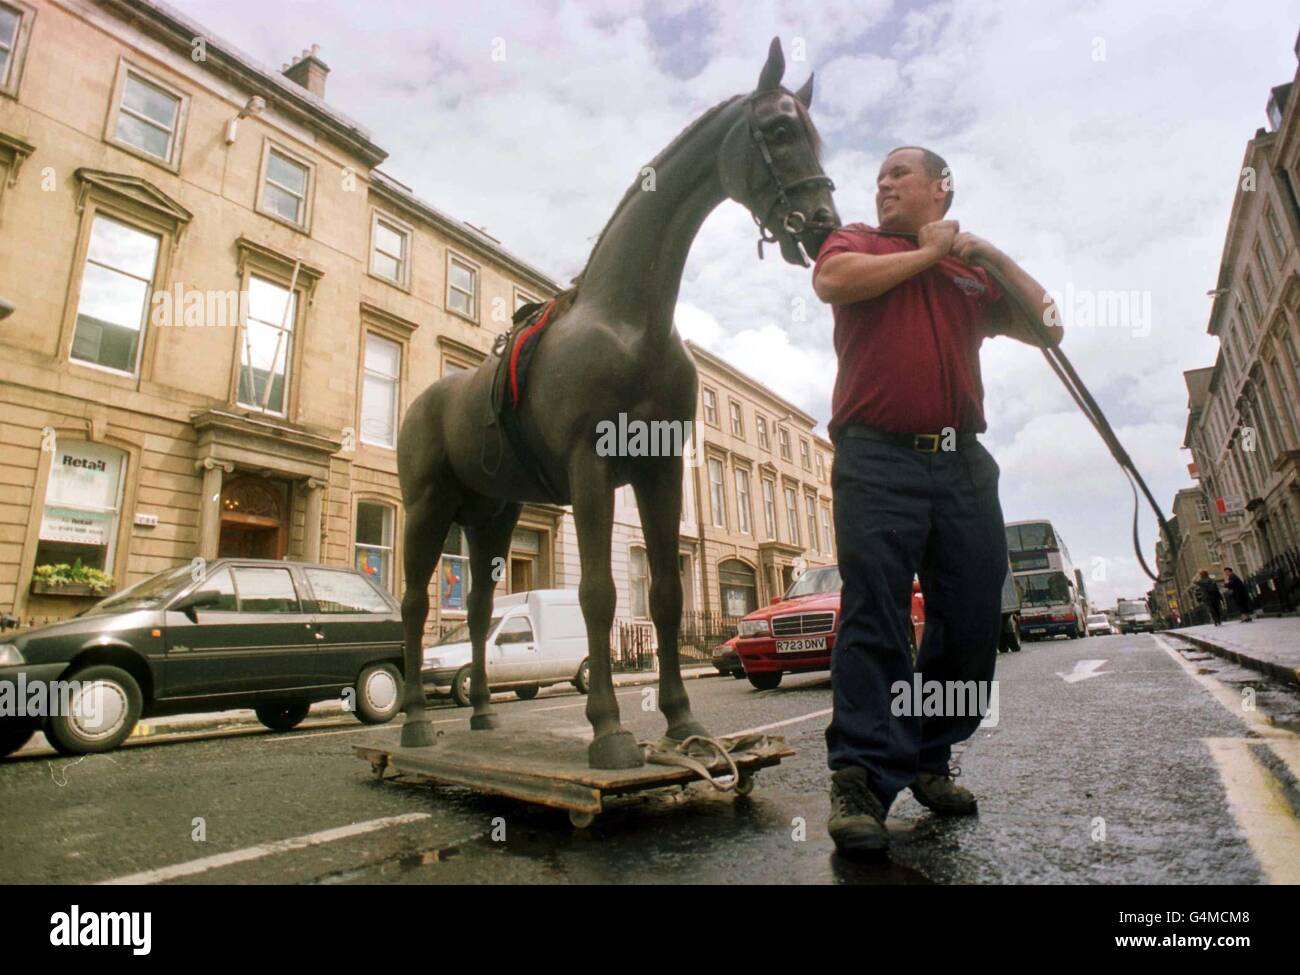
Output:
x=770 y=164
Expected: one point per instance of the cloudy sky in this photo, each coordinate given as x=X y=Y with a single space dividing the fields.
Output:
x=1098 y=143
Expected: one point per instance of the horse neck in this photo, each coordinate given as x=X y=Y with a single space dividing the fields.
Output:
x=635 y=270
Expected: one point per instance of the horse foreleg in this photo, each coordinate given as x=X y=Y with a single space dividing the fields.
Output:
x=593 y=514
x=487 y=544
x=659 y=500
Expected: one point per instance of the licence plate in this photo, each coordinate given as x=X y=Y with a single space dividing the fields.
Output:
x=802 y=645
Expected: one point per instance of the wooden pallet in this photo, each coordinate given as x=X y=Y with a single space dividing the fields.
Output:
x=551 y=770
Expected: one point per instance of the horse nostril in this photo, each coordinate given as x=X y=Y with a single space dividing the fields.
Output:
x=824 y=215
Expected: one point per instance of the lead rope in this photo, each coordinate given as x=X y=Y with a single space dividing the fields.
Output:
x=679 y=754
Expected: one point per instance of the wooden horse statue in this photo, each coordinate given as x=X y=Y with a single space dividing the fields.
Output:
x=610 y=348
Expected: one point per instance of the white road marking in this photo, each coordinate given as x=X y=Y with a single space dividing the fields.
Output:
x=204 y=864
x=1083 y=669
x=788 y=721
x=1257 y=721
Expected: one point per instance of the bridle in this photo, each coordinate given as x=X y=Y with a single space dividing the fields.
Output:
x=795 y=222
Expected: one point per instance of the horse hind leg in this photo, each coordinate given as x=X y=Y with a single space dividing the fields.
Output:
x=427 y=524
x=488 y=547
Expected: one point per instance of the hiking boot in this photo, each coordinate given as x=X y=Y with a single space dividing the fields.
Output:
x=940 y=794
x=857 y=823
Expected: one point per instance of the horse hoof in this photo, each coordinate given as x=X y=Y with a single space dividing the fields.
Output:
x=417 y=734
x=617 y=749
x=484 y=722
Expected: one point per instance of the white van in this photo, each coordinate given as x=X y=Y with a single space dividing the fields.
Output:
x=535 y=639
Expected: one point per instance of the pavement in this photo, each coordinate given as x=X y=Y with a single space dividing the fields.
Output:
x=244 y=718
x=1269 y=644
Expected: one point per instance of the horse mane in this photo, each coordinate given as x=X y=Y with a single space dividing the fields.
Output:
x=654 y=163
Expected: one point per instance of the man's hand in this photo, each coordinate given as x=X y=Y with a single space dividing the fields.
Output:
x=937 y=238
x=969 y=249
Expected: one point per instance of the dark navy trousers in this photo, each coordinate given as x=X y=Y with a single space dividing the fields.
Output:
x=899 y=511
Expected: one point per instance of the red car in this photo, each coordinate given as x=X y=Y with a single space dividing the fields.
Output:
x=795 y=634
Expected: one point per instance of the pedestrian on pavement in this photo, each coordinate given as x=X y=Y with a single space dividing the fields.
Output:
x=1210 y=595
x=1240 y=595
x=915 y=492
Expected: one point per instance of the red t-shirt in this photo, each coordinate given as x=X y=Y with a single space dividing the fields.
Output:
x=909 y=358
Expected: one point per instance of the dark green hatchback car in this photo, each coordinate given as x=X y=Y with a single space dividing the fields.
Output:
x=231 y=633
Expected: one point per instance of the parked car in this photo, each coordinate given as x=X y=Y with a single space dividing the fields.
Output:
x=727 y=660
x=796 y=633
x=536 y=639
x=1099 y=625
x=247 y=633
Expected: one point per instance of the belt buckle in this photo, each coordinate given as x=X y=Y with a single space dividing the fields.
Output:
x=934 y=443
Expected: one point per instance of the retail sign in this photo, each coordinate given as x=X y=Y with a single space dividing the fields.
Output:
x=84 y=475
x=76 y=527
x=1231 y=505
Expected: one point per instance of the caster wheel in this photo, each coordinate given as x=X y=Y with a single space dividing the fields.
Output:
x=745 y=785
x=581 y=820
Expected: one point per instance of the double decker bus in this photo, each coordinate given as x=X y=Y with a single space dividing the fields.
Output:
x=1052 y=594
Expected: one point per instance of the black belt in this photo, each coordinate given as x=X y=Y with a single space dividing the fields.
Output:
x=926 y=443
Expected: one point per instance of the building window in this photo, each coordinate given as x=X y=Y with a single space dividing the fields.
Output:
x=148 y=118
x=1252 y=293
x=792 y=514
x=737 y=419
x=379 y=389
x=638 y=580
x=742 y=500
x=760 y=423
x=1286 y=397
x=390 y=250
x=1294 y=357
x=462 y=288
x=827 y=537
x=810 y=506
x=374 y=542
x=1202 y=511
x=1275 y=233
x=453 y=571
x=717 y=494
x=114 y=301
x=769 y=507
x=15 y=28
x=83 y=500
x=821 y=466
x=1265 y=271
x=739 y=588
x=286 y=184
x=783 y=437
x=266 y=349
x=710 y=406
x=805 y=458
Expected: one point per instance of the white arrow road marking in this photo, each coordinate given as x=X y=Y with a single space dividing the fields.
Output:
x=1083 y=669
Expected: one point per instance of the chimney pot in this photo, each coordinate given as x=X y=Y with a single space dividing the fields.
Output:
x=309 y=71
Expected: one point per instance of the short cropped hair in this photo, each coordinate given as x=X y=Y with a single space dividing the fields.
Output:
x=935 y=168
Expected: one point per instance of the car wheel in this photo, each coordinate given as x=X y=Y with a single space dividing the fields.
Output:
x=460 y=686
x=282 y=715
x=738 y=673
x=583 y=681
x=379 y=694
x=765 y=682
x=527 y=693
x=104 y=711
x=14 y=733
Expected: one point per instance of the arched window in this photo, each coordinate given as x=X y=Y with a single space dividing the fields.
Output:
x=739 y=587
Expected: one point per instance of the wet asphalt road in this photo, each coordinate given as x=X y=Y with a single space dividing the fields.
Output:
x=1127 y=747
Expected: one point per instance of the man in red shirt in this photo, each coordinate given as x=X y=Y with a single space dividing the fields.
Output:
x=915 y=492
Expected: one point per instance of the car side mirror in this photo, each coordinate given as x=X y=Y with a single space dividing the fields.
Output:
x=196 y=600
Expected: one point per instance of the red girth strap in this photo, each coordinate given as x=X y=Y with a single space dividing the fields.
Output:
x=514 y=353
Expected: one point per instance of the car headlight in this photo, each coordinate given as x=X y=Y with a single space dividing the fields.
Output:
x=752 y=628
x=10 y=655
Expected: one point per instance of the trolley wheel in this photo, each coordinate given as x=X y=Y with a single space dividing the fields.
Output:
x=745 y=784
x=581 y=820
x=378 y=766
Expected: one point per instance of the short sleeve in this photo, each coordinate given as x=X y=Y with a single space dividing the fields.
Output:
x=847 y=240
x=997 y=312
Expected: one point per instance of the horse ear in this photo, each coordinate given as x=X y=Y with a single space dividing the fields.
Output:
x=805 y=93
x=774 y=69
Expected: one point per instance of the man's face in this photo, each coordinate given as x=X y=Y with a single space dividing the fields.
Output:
x=906 y=198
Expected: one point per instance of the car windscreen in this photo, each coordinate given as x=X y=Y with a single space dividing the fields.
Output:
x=826 y=579
x=147 y=593
x=461 y=633
x=1097 y=618
x=1132 y=609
